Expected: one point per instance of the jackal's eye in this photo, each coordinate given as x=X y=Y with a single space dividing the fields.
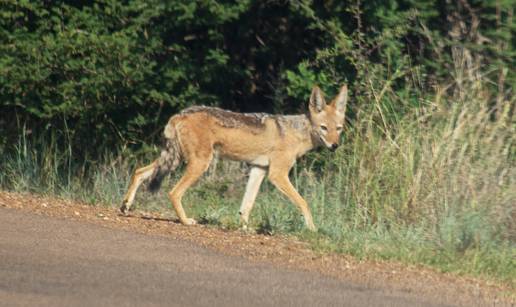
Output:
x=339 y=128
x=324 y=128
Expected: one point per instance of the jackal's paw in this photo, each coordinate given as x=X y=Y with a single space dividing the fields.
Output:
x=190 y=221
x=311 y=227
x=123 y=208
x=247 y=230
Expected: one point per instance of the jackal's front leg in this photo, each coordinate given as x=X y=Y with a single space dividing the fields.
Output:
x=279 y=177
x=256 y=176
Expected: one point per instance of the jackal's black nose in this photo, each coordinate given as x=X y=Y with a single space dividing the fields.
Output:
x=334 y=146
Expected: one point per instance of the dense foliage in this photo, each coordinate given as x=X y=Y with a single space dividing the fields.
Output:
x=110 y=72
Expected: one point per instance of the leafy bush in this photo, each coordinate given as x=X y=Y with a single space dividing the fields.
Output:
x=111 y=72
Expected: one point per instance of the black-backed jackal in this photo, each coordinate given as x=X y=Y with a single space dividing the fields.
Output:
x=267 y=142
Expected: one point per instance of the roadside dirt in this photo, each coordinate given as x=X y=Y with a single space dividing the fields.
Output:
x=282 y=251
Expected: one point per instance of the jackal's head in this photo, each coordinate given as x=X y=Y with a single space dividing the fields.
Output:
x=328 y=119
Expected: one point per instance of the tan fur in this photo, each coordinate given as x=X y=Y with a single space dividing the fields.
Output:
x=267 y=142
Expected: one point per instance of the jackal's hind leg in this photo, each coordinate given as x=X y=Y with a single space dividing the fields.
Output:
x=256 y=176
x=194 y=170
x=138 y=177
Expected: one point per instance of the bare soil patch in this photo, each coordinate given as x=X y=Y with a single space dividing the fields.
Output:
x=284 y=251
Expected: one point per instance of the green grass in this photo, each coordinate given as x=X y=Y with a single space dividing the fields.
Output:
x=435 y=187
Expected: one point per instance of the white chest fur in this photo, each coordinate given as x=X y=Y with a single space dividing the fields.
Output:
x=260 y=161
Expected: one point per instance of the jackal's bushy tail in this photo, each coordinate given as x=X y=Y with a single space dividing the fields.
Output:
x=169 y=159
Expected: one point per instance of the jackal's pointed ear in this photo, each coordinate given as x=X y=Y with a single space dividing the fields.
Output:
x=341 y=100
x=317 y=102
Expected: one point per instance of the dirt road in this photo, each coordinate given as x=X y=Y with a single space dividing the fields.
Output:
x=57 y=252
x=48 y=261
